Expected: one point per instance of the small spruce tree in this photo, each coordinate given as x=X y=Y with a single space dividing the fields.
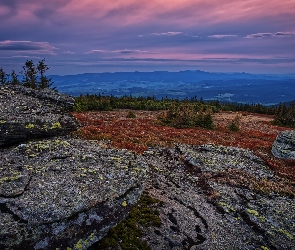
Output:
x=3 y=76
x=30 y=75
x=44 y=82
x=14 y=78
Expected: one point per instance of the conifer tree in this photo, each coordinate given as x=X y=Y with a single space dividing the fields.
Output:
x=44 y=82
x=3 y=76
x=14 y=78
x=30 y=75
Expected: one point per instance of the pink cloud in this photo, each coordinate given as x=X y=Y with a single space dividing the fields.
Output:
x=267 y=35
x=27 y=46
x=134 y=12
x=222 y=36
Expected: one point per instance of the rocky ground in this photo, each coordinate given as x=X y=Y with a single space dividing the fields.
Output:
x=210 y=196
x=58 y=192
x=176 y=188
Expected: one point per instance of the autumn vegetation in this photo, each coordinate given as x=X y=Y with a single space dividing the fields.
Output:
x=159 y=123
x=136 y=123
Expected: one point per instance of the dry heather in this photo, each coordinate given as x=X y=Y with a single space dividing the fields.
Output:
x=137 y=134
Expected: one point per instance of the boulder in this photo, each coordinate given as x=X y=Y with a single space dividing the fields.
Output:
x=65 y=193
x=284 y=145
x=27 y=113
x=216 y=197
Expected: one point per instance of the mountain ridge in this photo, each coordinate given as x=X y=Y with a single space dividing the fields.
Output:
x=228 y=87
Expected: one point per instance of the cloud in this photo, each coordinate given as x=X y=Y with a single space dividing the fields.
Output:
x=259 y=35
x=266 y=35
x=27 y=46
x=284 y=34
x=125 y=51
x=69 y=52
x=171 y=33
x=222 y=36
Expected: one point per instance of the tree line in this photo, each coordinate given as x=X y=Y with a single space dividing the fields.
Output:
x=33 y=76
x=188 y=111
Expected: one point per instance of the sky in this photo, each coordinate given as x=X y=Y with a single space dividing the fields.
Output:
x=89 y=36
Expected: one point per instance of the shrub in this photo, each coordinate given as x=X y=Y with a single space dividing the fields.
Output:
x=131 y=114
x=285 y=115
x=234 y=125
x=186 y=115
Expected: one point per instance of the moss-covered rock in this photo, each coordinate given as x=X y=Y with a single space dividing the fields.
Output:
x=27 y=113
x=61 y=193
x=216 y=197
x=284 y=145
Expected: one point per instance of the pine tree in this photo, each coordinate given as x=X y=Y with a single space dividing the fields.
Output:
x=14 y=78
x=3 y=77
x=30 y=75
x=44 y=81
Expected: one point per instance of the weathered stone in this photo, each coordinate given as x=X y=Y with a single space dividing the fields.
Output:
x=27 y=113
x=284 y=145
x=215 y=197
x=61 y=193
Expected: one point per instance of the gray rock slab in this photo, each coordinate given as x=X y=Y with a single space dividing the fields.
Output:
x=210 y=199
x=60 y=193
x=284 y=145
x=27 y=113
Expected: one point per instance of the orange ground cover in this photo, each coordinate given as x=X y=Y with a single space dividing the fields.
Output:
x=137 y=134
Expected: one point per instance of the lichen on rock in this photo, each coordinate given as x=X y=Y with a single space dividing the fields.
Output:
x=27 y=113
x=68 y=194
x=284 y=145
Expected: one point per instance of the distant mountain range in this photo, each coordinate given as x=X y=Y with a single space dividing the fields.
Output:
x=231 y=87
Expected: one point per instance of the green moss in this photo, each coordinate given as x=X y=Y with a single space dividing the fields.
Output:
x=56 y=125
x=253 y=212
x=228 y=207
x=262 y=218
x=79 y=245
x=264 y=248
x=10 y=178
x=290 y=236
x=126 y=235
x=30 y=126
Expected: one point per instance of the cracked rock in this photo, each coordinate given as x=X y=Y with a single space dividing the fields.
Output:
x=60 y=193
x=216 y=197
x=284 y=145
x=27 y=113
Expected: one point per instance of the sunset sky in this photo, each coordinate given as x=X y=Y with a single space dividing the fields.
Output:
x=76 y=36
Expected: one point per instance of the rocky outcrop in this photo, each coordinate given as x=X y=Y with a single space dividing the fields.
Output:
x=61 y=193
x=284 y=145
x=58 y=193
x=215 y=197
x=66 y=193
x=27 y=113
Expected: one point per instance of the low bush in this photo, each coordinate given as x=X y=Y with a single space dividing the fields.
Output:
x=234 y=125
x=187 y=115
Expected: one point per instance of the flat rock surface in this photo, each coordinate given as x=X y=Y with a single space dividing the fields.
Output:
x=216 y=197
x=284 y=145
x=27 y=113
x=65 y=192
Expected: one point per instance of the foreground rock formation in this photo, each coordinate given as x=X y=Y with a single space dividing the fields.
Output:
x=215 y=197
x=63 y=193
x=58 y=193
x=284 y=145
x=27 y=113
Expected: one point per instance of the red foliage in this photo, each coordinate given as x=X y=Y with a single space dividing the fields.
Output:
x=144 y=131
